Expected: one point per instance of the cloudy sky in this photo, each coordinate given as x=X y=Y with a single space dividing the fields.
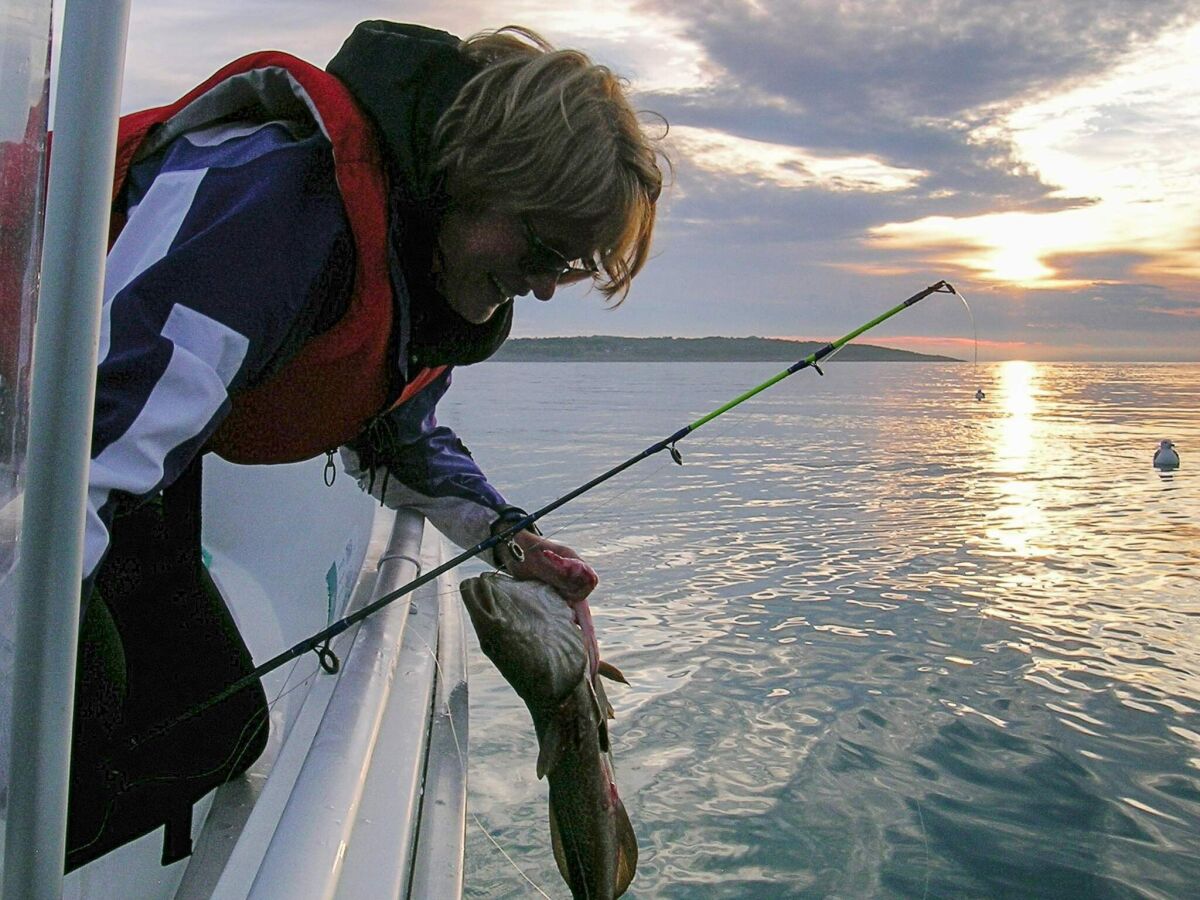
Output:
x=833 y=157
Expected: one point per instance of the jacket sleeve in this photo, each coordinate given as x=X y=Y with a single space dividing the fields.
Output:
x=227 y=247
x=406 y=459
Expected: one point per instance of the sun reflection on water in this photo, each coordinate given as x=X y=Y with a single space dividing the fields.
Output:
x=1017 y=442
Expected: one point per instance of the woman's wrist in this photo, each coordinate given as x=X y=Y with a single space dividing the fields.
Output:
x=509 y=551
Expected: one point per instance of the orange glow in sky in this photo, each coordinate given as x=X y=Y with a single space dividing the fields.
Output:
x=1139 y=188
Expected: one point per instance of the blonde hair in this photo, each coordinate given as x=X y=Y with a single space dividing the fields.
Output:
x=540 y=130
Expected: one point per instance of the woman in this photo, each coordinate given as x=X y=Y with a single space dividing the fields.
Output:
x=300 y=259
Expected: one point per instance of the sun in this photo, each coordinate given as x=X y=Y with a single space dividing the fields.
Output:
x=1009 y=248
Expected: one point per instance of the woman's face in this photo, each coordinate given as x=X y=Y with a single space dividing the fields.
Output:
x=483 y=255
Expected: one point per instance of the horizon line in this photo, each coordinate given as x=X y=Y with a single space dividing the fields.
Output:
x=1009 y=357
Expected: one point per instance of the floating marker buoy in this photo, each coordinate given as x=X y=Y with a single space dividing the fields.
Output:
x=979 y=394
x=1165 y=456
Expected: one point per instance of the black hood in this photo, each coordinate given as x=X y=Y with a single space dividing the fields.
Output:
x=404 y=77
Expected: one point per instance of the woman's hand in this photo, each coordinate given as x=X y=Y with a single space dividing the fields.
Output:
x=556 y=564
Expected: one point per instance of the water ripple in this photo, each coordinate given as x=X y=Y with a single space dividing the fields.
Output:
x=883 y=640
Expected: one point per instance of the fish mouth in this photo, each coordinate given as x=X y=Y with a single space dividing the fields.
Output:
x=482 y=596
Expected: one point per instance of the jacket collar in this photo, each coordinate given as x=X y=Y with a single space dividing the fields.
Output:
x=405 y=77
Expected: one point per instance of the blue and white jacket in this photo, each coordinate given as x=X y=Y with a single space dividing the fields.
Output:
x=235 y=251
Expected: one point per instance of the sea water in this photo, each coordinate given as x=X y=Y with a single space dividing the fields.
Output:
x=884 y=640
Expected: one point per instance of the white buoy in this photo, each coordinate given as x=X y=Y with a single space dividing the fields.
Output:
x=1165 y=456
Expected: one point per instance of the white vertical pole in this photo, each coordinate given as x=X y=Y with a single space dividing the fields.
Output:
x=64 y=381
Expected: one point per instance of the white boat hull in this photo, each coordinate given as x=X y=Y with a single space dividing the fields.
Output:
x=333 y=808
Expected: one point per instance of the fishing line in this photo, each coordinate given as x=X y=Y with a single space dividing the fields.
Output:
x=925 y=838
x=511 y=862
x=711 y=439
x=979 y=394
x=319 y=642
x=462 y=760
x=590 y=512
x=599 y=505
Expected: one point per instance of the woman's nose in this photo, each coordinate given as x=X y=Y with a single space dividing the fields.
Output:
x=543 y=286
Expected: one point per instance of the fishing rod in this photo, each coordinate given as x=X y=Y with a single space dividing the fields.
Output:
x=319 y=642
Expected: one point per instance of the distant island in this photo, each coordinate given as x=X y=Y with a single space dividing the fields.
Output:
x=607 y=348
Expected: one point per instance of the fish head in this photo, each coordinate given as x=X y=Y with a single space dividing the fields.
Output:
x=529 y=633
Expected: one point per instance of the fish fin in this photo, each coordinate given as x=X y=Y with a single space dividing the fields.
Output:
x=611 y=672
x=550 y=750
x=627 y=851
x=601 y=705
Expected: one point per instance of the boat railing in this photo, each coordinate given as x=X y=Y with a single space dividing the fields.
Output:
x=367 y=796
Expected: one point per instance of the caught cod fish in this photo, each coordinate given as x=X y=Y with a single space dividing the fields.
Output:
x=535 y=639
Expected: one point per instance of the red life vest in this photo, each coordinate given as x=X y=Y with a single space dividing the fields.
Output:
x=325 y=395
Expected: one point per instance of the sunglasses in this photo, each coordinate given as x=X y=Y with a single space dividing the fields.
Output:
x=543 y=261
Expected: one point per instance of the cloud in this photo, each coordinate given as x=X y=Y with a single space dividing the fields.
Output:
x=1127 y=138
x=916 y=84
x=731 y=208
x=173 y=46
x=1097 y=267
x=857 y=63
x=786 y=166
x=1190 y=312
x=1110 y=313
